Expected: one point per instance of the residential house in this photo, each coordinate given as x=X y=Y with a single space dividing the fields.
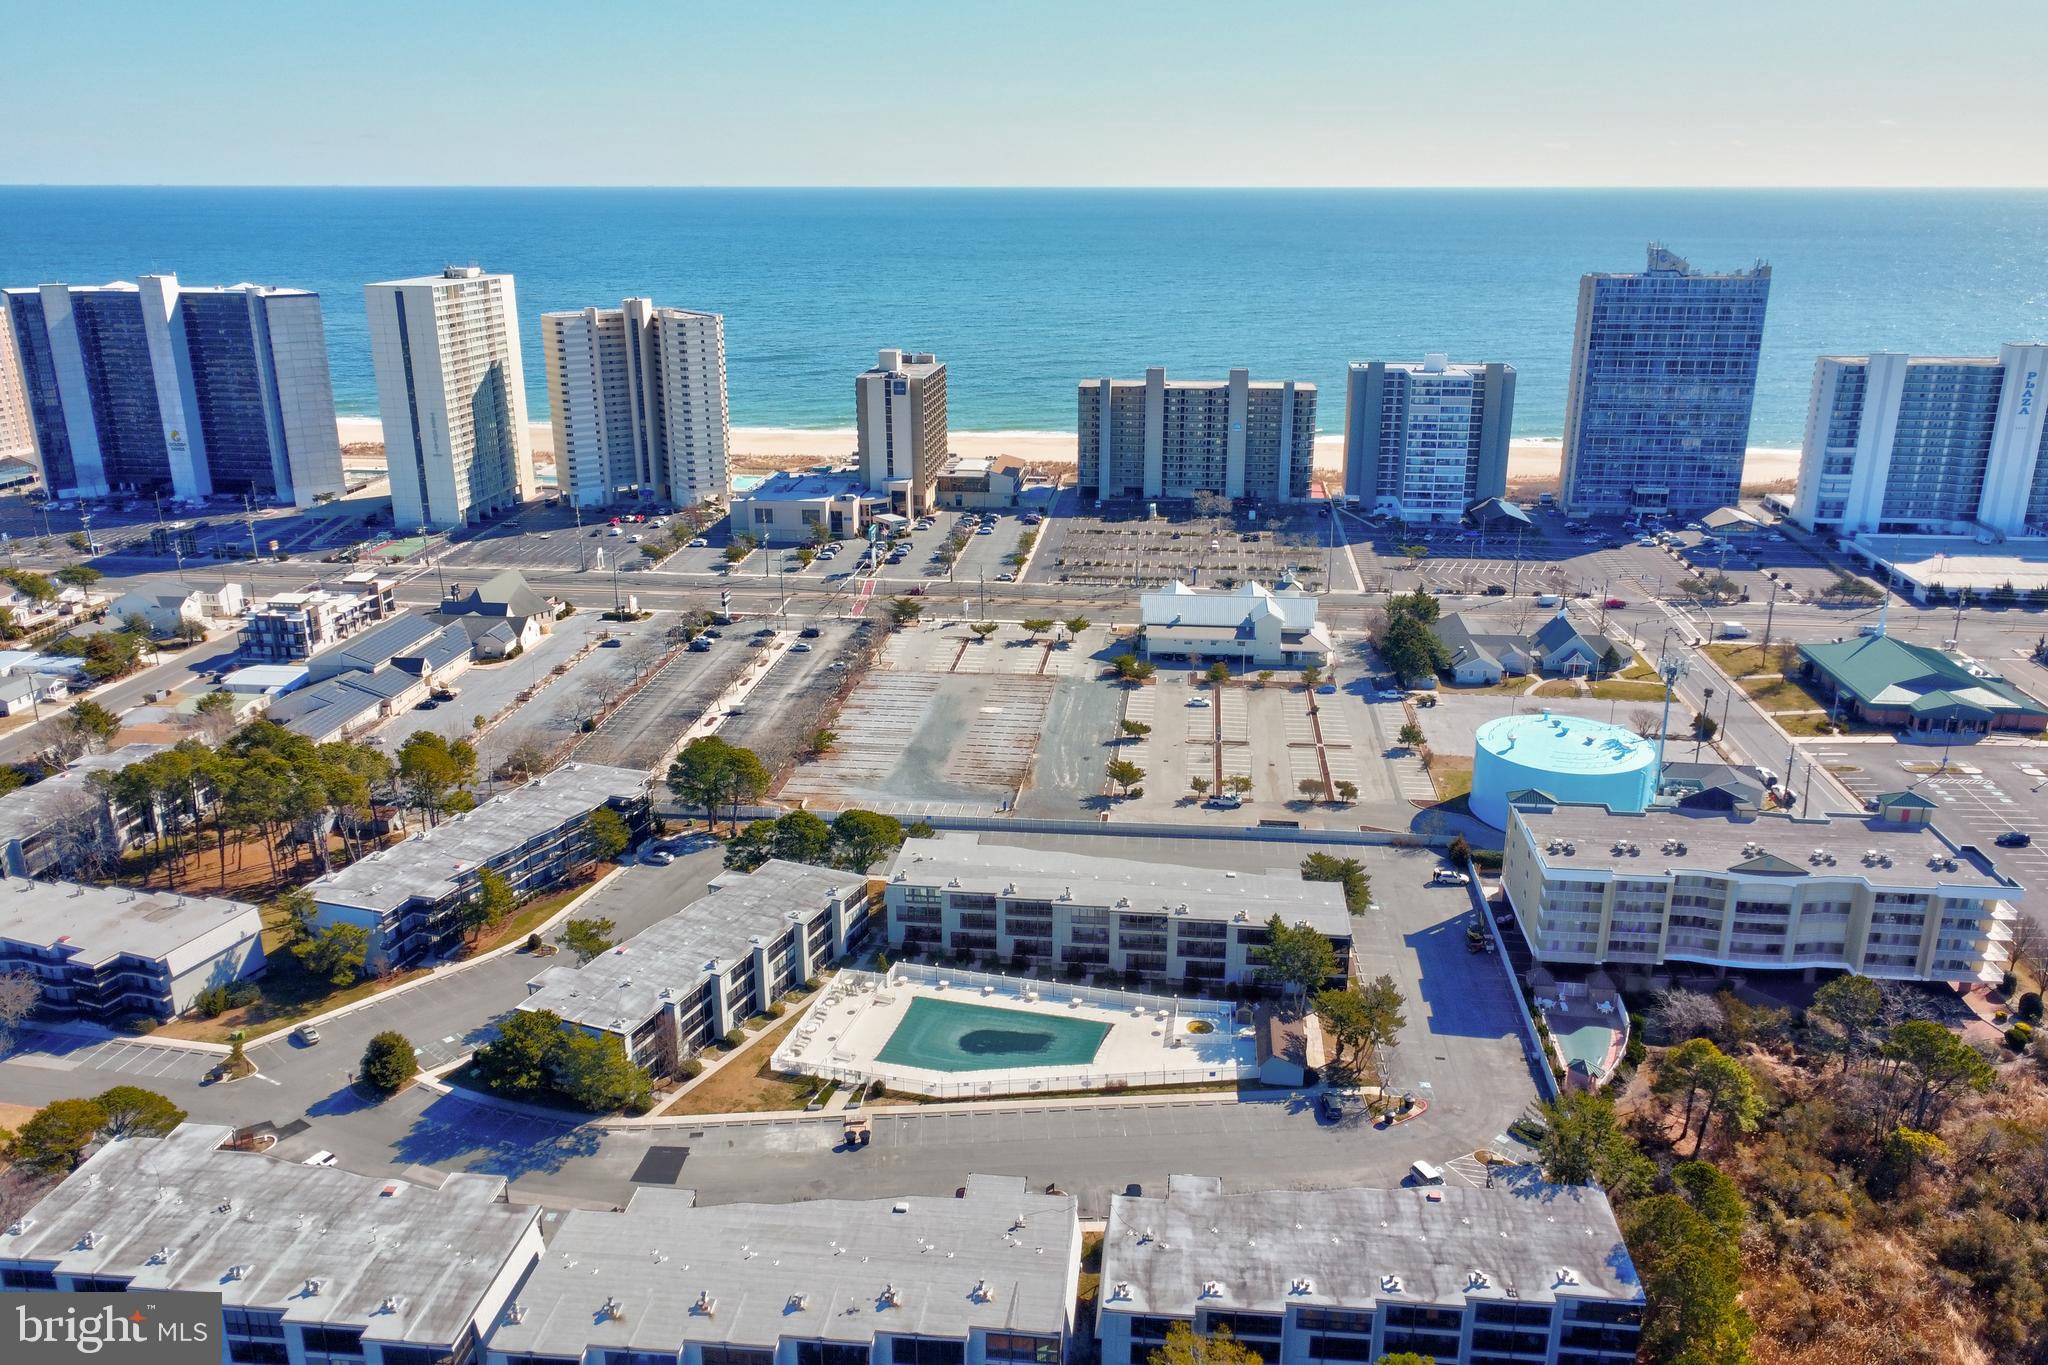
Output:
x=502 y=616
x=1483 y=650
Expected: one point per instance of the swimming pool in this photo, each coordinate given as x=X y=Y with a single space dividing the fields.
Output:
x=1586 y=1043
x=952 y=1035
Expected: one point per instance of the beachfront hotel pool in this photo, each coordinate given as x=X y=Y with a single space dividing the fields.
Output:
x=953 y=1035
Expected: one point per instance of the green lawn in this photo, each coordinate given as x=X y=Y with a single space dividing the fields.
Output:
x=1621 y=689
x=1738 y=657
x=1556 y=687
x=1453 y=776
x=1782 y=694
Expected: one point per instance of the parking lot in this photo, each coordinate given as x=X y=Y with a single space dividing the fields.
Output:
x=1987 y=790
x=640 y=732
x=801 y=689
x=1122 y=545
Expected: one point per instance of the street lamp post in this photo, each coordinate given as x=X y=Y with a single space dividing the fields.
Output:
x=1699 y=735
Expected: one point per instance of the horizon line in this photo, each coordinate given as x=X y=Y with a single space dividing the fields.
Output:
x=1014 y=189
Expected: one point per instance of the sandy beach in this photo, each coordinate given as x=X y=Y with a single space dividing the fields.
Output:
x=1533 y=466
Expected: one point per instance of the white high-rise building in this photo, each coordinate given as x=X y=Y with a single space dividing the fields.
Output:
x=1423 y=442
x=1173 y=438
x=452 y=392
x=1922 y=443
x=900 y=409
x=639 y=406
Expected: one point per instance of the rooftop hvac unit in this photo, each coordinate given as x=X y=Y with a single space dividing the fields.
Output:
x=1390 y=1284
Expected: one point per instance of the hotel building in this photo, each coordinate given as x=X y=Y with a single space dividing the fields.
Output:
x=1663 y=375
x=1161 y=438
x=1887 y=897
x=155 y=387
x=1060 y=913
x=987 y=1277
x=452 y=392
x=17 y=432
x=1525 y=1276
x=313 y=1265
x=900 y=417
x=1916 y=444
x=1422 y=442
x=688 y=980
x=637 y=395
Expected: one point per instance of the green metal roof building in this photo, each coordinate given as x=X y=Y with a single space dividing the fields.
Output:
x=1917 y=689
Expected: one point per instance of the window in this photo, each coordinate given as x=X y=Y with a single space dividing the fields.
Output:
x=738 y=1355
x=244 y=1322
x=926 y=1351
x=1341 y=1348
x=1152 y=1327
x=1016 y=1346
x=830 y=1353
x=98 y=1284
x=621 y=1358
x=268 y=1352
x=339 y=1341
x=12 y=1278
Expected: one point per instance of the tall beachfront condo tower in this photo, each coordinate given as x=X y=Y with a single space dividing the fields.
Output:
x=159 y=388
x=1914 y=443
x=900 y=410
x=638 y=399
x=1172 y=438
x=1663 y=374
x=17 y=433
x=452 y=392
x=1424 y=442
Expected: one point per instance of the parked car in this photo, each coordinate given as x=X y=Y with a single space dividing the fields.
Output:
x=700 y=645
x=1226 y=801
x=1445 y=876
x=698 y=542
x=1198 y=700
x=1006 y=577
x=799 y=648
x=306 y=1034
x=2015 y=838
x=809 y=633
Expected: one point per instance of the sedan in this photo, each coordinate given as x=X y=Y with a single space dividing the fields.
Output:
x=809 y=632
x=1615 y=603
x=1006 y=577
x=2015 y=838
x=799 y=648
x=698 y=543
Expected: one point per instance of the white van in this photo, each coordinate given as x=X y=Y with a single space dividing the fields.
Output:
x=1548 y=599
x=1732 y=630
x=1422 y=1173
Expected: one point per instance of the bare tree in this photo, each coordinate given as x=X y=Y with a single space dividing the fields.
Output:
x=1681 y=1014
x=81 y=834
x=1645 y=722
x=2024 y=946
x=20 y=993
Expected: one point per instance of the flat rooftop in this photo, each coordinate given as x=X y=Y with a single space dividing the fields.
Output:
x=1001 y=1258
x=28 y=811
x=1565 y=744
x=437 y=1250
x=622 y=986
x=429 y=864
x=1960 y=561
x=1159 y=1253
x=99 y=923
x=961 y=862
x=1919 y=856
x=806 y=485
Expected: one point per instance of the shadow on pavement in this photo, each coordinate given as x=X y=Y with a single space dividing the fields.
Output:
x=1464 y=992
x=453 y=1131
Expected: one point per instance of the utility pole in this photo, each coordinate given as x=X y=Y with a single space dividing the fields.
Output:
x=249 y=516
x=1764 y=650
x=1699 y=736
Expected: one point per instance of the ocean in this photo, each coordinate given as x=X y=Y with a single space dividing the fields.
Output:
x=1024 y=292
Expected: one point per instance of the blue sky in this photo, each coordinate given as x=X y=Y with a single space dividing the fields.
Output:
x=1044 y=92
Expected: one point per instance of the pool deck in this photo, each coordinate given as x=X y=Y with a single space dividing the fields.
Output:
x=846 y=1028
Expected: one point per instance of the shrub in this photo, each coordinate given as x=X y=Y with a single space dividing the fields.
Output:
x=211 y=1003
x=533 y=943
x=389 y=1062
x=733 y=1040
x=777 y=1010
x=2030 y=1007
x=1459 y=851
x=2018 y=1036
x=812 y=983
x=691 y=1069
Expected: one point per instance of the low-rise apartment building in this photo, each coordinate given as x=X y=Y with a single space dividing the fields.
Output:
x=533 y=836
x=692 y=978
x=1525 y=1276
x=291 y=626
x=110 y=954
x=1889 y=896
x=65 y=821
x=314 y=1265
x=987 y=1278
x=1065 y=913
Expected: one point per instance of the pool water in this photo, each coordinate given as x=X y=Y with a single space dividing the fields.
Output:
x=1587 y=1044
x=951 y=1035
